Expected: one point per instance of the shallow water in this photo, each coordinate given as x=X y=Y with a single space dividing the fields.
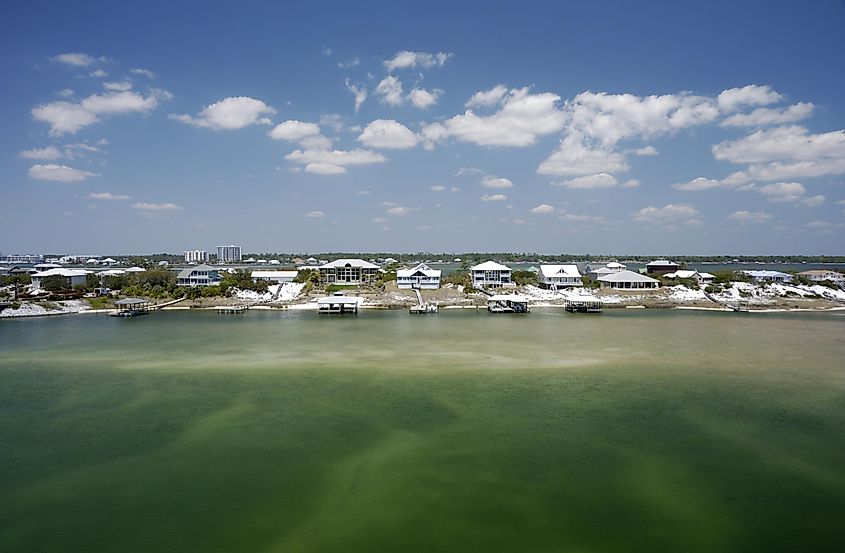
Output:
x=463 y=431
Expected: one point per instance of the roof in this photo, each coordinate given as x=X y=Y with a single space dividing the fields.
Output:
x=507 y=297
x=337 y=300
x=46 y=266
x=130 y=301
x=602 y=271
x=135 y=270
x=61 y=272
x=351 y=262
x=422 y=268
x=274 y=274
x=490 y=266
x=559 y=270
x=615 y=265
x=764 y=274
x=662 y=263
x=626 y=276
x=112 y=272
x=186 y=273
x=688 y=274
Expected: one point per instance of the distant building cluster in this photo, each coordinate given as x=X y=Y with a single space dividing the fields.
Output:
x=196 y=256
x=229 y=254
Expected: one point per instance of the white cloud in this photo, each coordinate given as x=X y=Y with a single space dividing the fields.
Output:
x=822 y=225
x=574 y=157
x=354 y=62
x=749 y=217
x=145 y=206
x=770 y=116
x=390 y=90
x=121 y=102
x=119 y=86
x=64 y=117
x=98 y=74
x=316 y=142
x=75 y=59
x=669 y=212
x=496 y=182
x=48 y=153
x=521 y=119
x=631 y=183
x=700 y=183
x=315 y=214
x=543 y=209
x=145 y=72
x=387 y=133
x=589 y=182
x=331 y=162
x=359 y=91
x=486 y=98
x=421 y=98
x=782 y=143
x=60 y=173
x=493 y=198
x=66 y=92
x=750 y=95
x=380 y=220
x=68 y=117
x=813 y=201
x=437 y=188
x=230 y=113
x=106 y=196
x=783 y=191
x=647 y=151
x=399 y=210
x=406 y=59
x=294 y=130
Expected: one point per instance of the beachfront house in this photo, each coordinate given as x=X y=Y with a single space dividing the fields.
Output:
x=701 y=278
x=421 y=277
x=73 y=277
x=490 y=273
x=278 y=277
x=349 y=271
x=821 y=276
x=558 y=276
x=769 y=276
x=201 y=275
x=628 y=280
x=661 y=267
x=598 y=271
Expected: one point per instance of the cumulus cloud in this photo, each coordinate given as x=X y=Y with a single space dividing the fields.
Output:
x=331 y=162
x=669 y=212
x=520 y=120
x=783 y=191
x=75 y=59
x=770 y=116
x=700 y=183
x=749 y=216
x=813 y=201
x=108 y=196
x=235 y=112
x=590 y=182
x=98 y=74
x=294 y=130
x=631 y=183
x=390 y=90
x=437 y=188
x=647 y=151
x=64 y=117
x=360 y=93
x=399 y=210
x=69 y=117
x=750 y=95
x=406 y=59
x=119 y=86
x=487 y=98
x=576 y=157
x=48 y=153
x=145 y=206
x=496 y=182
x=493 y=198
x=145 y=72
x=387 y=133
x=421 y=98
x=315 y=214
x=59 y=173
x=543 y=209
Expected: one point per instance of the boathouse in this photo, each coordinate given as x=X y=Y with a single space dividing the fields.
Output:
x=507 y=303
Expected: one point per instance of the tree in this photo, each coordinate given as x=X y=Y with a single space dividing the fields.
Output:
x=55 y=283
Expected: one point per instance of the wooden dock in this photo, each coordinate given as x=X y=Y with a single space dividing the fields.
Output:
x=232 y=309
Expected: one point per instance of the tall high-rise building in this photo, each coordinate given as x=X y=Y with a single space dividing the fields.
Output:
x=228 y=254
x=196 y=256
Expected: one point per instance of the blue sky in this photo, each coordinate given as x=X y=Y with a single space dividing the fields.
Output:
x=592 y=127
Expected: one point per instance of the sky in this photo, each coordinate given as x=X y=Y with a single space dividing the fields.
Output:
x=550 y=127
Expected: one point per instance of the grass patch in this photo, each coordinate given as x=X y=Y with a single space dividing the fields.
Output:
x=100 y=303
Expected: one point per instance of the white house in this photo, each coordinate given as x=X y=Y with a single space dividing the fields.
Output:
x=702 y=278
x=349 y=271
x=600 y=271
x=73 y=277
x=422 y=276
x=557 y=276
x=628 y=280
x=274 y=276
x=201 y=275
x=490 y=273
x=768 y=276
x=821 y=276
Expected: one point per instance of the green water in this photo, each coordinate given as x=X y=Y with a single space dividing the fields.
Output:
x=464 y=431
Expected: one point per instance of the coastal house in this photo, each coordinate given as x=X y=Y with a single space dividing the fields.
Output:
x=601 y=270
x=821 y=276
x=201 y=275
x=349 y=271
x=768 y=276
x=278 y=277
x=628 y=280
x=661 y=267
x=73 y=277
x=490 y=273
x=422 y=277
x=557 y=276
x=701 y=278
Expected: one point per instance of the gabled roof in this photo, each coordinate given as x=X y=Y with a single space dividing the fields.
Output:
x=615 y=265
x=274 y=274
x=337 y=263
x=688 y=274
x=602 y=271
x=560 y=271
x=490 y=266
x=662 y=263
x=422 y=268
x=626 y=276
x=186 y=273
x=61 y=272
x=135 y=270
x=764 y=274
